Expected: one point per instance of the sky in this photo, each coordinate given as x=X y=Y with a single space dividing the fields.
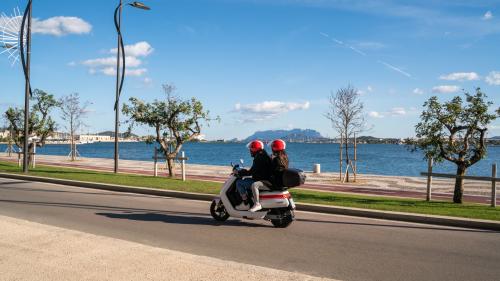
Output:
x=264 y=64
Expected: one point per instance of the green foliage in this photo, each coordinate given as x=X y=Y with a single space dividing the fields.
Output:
x=175 y=120
x=455 y=131
x=40 y=122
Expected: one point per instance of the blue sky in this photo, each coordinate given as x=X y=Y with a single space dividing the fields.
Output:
x=266 y=64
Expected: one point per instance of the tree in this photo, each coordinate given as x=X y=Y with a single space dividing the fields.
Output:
x=41 y=124
x=346 y=115
x=174 y=120
x=455 y=132
x=72 y=113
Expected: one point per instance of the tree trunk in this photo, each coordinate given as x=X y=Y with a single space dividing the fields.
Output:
x=347 y=158
x=170 y=166
x=73 y=152
x=459 y=184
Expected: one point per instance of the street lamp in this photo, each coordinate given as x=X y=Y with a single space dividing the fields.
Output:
x=120 y=78
x=25 y=60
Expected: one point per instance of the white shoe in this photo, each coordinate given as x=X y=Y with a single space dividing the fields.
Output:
x=242 y=207
x=256 y=207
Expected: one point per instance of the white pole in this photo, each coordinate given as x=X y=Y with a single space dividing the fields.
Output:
x=34 y=153
x=183 y=166
x=156 y=163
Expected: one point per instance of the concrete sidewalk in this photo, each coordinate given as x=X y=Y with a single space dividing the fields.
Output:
x=32 y=251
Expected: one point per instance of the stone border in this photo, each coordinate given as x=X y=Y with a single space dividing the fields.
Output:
x=397 y=216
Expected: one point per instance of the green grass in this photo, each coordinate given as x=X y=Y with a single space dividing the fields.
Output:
x=475 y=211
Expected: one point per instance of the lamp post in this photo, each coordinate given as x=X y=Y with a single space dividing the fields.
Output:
x=25 y=60
x=121 y=76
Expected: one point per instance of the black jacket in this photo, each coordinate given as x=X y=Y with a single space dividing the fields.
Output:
x=278 y=167
x=261 y=167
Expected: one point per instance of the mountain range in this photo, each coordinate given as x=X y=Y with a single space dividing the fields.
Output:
x=286 y=135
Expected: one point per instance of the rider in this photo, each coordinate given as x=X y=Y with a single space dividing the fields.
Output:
x=279 y=165
x=260 y=170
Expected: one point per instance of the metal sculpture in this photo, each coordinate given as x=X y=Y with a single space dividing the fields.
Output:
x=10 y=29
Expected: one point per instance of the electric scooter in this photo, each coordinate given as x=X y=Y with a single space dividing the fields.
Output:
x=277 y=203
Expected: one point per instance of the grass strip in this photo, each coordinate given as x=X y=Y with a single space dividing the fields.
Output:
x=467 y=210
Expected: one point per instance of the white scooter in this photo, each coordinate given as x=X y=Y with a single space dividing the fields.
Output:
x=277 y=206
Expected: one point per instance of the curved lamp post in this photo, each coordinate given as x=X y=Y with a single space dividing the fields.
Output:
x=25 y=60
x=121 y=76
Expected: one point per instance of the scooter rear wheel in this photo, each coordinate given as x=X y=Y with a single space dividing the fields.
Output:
x=218 y=211
x=284 y=221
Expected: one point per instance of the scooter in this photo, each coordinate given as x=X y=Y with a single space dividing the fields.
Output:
x=277 y=205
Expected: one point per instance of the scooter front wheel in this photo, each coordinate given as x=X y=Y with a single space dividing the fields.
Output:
x=218 y=211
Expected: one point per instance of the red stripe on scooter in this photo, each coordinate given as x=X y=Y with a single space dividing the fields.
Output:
x=275 y=196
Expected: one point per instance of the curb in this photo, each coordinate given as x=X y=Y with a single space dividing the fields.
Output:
x=347 y=211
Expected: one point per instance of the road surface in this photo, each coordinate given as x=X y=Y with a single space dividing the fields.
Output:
x=338 y=247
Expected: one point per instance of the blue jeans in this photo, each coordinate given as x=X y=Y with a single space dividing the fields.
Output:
x=243 y=186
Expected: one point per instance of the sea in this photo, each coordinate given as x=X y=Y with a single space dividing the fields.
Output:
x=379 y=159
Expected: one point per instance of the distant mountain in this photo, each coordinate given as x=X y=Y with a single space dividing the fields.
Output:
x=495 y=138
x=286 y=135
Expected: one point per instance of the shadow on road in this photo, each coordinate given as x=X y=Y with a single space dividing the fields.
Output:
x=177 y=219
x=107 y=193
x=399 y=226
x=139 y=214
x=92 y=207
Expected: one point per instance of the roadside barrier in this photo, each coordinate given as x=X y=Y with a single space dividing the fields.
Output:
x=493 y=179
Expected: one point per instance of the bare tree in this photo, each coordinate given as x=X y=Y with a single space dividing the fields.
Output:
x=346 y=115
x=72 y=113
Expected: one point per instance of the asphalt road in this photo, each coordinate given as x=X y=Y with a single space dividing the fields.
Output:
x=339 y=247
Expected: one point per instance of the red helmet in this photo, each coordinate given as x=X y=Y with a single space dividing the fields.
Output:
x=255 y=146
x=278 y=145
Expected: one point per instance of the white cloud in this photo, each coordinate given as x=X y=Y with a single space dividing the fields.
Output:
x=397 y=69
x=268 y=109
x=445 y=89
x=111 y=61
x=107 y=65
x=111 y=71
x=60 y=26
x=367 y=45
x=398 y=111
x=139 y=49
x=375 y=114
x=418 y=91
x=460 y=76
x=488 y=15
x=493 y=78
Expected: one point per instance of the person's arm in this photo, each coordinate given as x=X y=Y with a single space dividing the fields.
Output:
x=245 y=172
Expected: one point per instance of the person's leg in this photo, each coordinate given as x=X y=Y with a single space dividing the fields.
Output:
x=243 y=186
x=255 y=190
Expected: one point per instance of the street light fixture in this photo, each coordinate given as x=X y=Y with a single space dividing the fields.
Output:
x=121 y=76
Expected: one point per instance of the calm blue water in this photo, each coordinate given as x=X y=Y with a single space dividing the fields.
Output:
x=383 y=159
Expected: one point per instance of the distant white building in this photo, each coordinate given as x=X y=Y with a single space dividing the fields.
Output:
x=200 y=138
x=94 y=138
x=59 y=136
x=4 y=134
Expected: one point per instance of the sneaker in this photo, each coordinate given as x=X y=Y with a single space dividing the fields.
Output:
x=242 y=207
x=256 y=207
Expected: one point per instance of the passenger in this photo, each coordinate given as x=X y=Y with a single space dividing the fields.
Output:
x=279 y=164
x=260 y=170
